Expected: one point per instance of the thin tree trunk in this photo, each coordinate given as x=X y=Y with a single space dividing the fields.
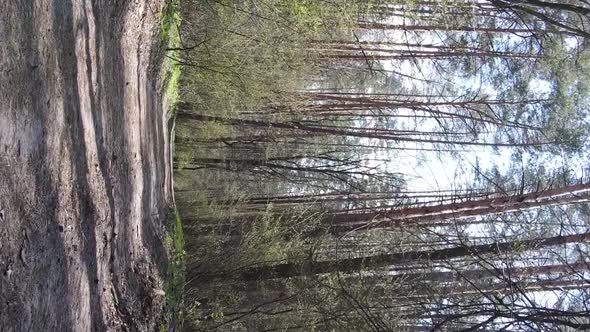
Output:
x=379 y=219
x=289 y=270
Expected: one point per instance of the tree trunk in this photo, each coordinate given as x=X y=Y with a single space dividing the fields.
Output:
x=309 y=268
x=381 y=219
x=361 y=132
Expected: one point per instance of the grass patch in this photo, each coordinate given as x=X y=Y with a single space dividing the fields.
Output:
x=169 y=38
x=170 y=19
x=175 y=281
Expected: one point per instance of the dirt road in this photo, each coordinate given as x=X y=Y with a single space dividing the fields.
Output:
x=84 y=167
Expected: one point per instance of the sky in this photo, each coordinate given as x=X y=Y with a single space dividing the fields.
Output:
x=436 y=171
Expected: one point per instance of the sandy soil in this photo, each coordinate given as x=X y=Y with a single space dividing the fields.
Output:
x=84 y=166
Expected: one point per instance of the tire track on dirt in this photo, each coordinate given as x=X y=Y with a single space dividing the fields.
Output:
x=84 y=187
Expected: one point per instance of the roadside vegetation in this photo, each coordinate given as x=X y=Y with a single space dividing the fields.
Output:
x=175 y=279
x=170 y=72
x=169 y=39
x=379 y=165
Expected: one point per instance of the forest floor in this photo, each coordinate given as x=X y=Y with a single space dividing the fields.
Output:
x=85 y=179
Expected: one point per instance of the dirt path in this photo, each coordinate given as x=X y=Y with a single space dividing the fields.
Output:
x=84 y=173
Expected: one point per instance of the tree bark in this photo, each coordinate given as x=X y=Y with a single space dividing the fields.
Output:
x=309 y=268
x=381 y=219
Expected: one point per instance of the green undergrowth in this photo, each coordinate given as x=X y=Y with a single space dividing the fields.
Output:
x=175 y=279
x=239 y=58
x=169 y=40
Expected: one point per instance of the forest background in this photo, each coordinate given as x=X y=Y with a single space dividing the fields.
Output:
x=382 y=165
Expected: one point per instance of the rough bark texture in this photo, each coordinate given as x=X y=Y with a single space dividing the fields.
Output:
x=84 y=170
